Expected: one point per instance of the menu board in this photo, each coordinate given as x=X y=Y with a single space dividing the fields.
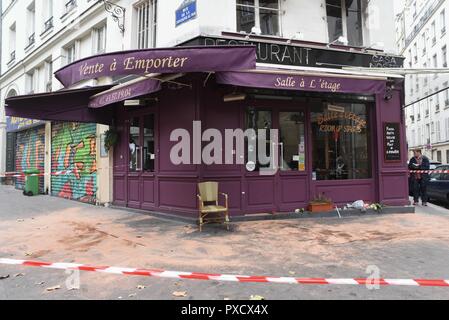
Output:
x=392 y=141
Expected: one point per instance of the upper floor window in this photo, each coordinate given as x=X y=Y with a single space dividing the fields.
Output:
x=12 y=42
x=32 y=81
x=31 y=20
x=49 y=75
x=71 y=53
x=262 y=14
x=434 y=33
x=444 y=56
x=48 y=15
x=344 y=18
x=423 y=41
x=99 y=39
x=443 y=21
x=146 y=24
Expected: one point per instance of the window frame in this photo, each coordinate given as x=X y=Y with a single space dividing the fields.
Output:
x=257 y=8
x=146 y=36
x=344 y=21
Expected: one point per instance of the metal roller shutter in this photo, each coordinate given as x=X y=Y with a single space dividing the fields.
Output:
x=30 y=154
x=74 y=148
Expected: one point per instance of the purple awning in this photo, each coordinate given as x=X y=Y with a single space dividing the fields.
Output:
x=171 y=60
x=124 y=92
x=275 y=79
x=63 y=105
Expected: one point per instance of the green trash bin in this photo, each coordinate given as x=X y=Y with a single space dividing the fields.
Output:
x=31 y=182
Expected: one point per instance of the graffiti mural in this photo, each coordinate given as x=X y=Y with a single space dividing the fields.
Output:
x=30 y=154
x=74 y=148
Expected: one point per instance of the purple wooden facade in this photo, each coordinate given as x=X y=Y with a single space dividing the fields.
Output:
x=173 y=189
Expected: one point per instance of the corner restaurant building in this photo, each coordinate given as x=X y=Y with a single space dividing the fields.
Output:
x=341 y=133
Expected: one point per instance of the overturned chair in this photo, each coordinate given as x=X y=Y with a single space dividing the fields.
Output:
x=209 y=209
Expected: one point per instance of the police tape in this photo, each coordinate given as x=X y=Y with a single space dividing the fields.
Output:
x=158 y=273
x=429 y=171
x=19 y=174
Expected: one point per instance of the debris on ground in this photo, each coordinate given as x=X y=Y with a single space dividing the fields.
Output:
x=256 y=297
x=53 y=288
x=4 y=277
x=40 y=283
x=132 y=295
x=180 y=294
x=19 y=275
x=141 y=287
x=20 y=220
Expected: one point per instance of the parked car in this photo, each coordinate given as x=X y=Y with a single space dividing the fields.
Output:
x=438 y=188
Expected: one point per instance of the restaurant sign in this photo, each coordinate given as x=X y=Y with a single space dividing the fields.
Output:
x=271 y=52
x=126 y=92
x=326 y=120
x=186 y=12
x=173 y=60
x=14 y=124
x=301 y=83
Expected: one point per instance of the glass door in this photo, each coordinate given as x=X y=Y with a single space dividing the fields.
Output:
x=141 y=159
x=291 y=180
x=292 y=141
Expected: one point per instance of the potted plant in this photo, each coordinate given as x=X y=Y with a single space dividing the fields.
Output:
x=111 y=138
x=321 y=204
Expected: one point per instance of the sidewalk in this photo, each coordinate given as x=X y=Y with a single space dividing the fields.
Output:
x=56 y=230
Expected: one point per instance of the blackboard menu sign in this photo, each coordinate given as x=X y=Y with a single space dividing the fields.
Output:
x=392 y=141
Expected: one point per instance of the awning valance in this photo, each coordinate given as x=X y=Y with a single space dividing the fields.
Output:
x=300 y=81
x=170 y=60
x=124 y=92
x=63 y=105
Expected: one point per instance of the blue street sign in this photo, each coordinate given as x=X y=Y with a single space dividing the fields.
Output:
x=186 y=12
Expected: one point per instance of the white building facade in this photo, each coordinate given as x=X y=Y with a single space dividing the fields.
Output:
x=41 y=36
x=423 y=39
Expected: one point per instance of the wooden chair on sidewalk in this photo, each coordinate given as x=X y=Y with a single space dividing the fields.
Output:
x=209 y=209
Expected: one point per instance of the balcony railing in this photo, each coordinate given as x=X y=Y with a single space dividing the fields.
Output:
x=69 y=5
x=31 y=40
x=12 y=57
x=48 y=24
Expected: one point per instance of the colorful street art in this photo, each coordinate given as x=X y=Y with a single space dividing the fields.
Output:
x=30 y=153
x=74 y=148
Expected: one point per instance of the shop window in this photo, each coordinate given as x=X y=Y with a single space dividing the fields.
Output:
x=262 y=14
x=292 y=135
x=257 y=120
x=344 y=18
x=341 y=142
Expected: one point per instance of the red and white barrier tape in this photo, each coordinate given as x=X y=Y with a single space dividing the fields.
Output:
x=429 y=171
x=224 y=277
x=21 y=175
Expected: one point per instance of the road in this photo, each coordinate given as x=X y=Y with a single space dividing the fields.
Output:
x=56 y=230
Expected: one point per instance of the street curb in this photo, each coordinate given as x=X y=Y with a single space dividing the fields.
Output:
x=279 y=216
